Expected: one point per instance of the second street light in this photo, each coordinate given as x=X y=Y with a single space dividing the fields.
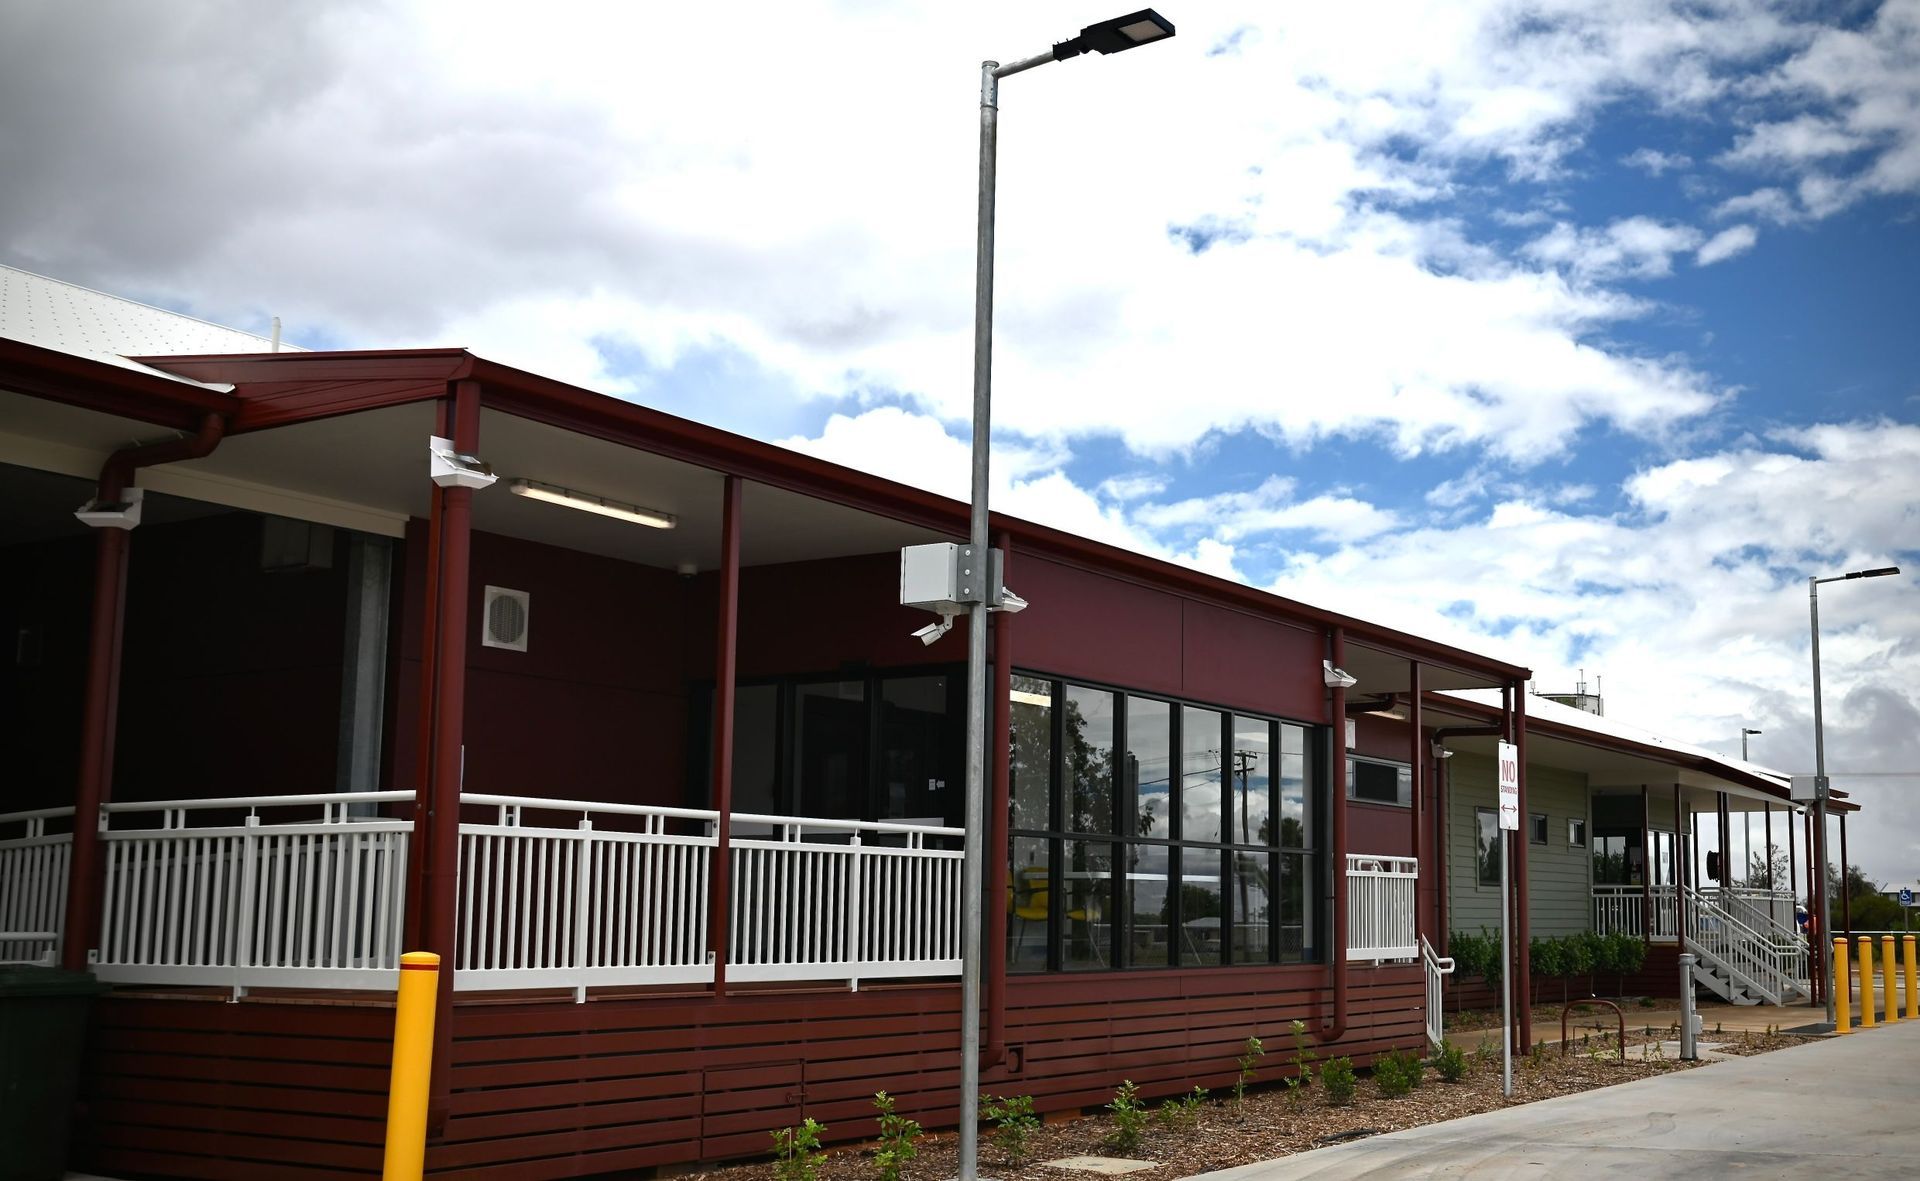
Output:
x=1818 y=904
x=1112 y=36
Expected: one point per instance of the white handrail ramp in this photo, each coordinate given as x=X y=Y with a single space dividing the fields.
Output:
x=1438 y=967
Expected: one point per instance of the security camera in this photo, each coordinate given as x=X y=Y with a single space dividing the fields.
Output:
x=933 y=631
x=1338 y=678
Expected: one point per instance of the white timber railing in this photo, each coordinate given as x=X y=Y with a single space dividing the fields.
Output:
x=1438 y=968
x=1380 y=907
x=1621 y=910
x=214 y=892
x=33 y=883
x=844 y=900
x=573 y=904
x=309 y=891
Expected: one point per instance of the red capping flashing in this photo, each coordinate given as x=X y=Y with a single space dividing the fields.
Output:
x=277 y=389
x=110 y=389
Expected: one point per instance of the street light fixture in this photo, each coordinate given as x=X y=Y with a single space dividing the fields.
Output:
x=1820 y=778
x=1113 y=36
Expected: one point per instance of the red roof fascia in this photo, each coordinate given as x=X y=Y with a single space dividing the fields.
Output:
x=110 y=389
x=278 y=389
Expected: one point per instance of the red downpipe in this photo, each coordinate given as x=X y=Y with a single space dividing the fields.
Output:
x=1337 y=855
x=1417 y=761
x=999 y=886
x=99 y=722
x=725 y=660
x=1522 y=921
x=1442 y=917
x=448 y=750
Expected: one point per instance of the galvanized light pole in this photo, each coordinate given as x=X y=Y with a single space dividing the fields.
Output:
x=1111 y=36
x=1820 y=779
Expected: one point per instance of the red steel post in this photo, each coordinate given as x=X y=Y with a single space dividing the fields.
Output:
x=448 y=677
x=725 y=661
x=1522 y=921
x=1646 y=865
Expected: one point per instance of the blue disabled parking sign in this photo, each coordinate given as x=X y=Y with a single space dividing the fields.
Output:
x=1906 y=896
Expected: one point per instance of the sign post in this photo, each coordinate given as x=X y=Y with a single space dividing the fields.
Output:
x=1906 y=906
x=1509 y=823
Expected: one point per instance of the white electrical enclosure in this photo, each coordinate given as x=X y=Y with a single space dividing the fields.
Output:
x=930 y=578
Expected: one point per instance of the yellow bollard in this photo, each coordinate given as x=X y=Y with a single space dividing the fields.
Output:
x=412 y=1066
x=1890 y=997
x=1913 y=1002
x=1842 y=995
x=1866 y=982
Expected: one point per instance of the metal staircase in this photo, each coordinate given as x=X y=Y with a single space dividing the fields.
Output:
x=1741 y=952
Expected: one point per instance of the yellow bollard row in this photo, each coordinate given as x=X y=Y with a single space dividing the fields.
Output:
x=1842 y=988
x=1866 y=982
x=1886 y=980
x=1913 y=1001
x=412 y=1066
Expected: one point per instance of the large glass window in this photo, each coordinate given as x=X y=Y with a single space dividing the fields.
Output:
x=1088 y=755
x=1202 y=808
x=1086 y=932
x=922 y=766
x=756 y=748
x=1148 y=800
x=1176 y=834
x=1487 y=845
x=1145 y=895
x=1030 y=765
x=830 y=749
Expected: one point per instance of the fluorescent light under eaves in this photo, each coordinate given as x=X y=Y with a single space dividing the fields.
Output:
x=586 y=502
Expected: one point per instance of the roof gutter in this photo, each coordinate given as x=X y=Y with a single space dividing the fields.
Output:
x=117 y=473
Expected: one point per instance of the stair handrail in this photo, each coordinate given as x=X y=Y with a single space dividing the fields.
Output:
x=1434 y=966
x=1732 y=943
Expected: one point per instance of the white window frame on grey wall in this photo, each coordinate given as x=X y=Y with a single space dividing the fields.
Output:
x=1540 y=823
x=1576 y=824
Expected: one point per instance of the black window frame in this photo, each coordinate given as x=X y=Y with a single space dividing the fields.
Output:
x=1539 y=822
x=1480 y=862
x=1119 y=952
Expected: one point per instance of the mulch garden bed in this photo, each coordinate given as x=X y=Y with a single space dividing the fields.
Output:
x=1275 y=1121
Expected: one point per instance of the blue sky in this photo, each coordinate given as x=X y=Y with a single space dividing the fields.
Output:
x=1578 y=331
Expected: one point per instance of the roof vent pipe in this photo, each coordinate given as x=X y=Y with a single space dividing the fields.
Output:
x=276 y=335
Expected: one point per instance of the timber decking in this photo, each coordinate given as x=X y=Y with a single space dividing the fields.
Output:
x=545 y=1089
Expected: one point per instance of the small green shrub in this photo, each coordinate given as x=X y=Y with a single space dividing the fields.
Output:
x=1304 y=1057
x=796 y=1151
x=1451 y=1062
x=1336 y=1078
x=898 y=1135
x=1397 y=1072
x=1184 y=1112
x=1129 y=1116
x=1013 y=1122
x=1249 y=1063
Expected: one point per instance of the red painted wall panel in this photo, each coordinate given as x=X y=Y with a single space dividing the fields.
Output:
x=1380 y=829
x=1238 y=660
x=1081 y=624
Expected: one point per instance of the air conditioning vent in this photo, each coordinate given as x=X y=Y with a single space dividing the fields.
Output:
x=505 y=623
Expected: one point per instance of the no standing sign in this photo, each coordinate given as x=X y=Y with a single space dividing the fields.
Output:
x=1509 y=787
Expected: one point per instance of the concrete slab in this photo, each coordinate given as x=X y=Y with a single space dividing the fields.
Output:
x=1839 y=1109
x=1106 y=1166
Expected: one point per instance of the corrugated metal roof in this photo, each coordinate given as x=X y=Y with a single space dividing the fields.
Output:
x=68 y=318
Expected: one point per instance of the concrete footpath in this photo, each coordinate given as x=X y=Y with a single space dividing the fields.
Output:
x=1835 y=1109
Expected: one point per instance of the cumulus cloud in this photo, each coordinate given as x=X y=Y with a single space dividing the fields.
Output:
x=1732 y=241
x=1654 y=162
x=1635 y=247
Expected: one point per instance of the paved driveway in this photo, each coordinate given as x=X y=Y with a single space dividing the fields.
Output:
x=1835 y=1109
